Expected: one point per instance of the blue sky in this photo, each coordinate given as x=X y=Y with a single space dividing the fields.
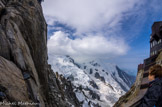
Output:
x=114 y=31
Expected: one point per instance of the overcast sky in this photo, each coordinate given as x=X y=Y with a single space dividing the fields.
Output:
x=115 y=31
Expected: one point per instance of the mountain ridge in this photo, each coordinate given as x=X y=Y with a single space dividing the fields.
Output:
x=89 y=80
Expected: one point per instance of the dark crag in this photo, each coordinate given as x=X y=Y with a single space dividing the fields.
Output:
x=24 y=71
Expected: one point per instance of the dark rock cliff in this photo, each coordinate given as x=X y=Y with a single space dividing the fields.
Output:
x=24 y=72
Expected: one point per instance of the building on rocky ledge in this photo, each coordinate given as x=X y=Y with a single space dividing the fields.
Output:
x=137 y=91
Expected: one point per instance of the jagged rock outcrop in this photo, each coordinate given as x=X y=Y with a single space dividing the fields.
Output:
x=61 y=91
x=24 y=71
x=129 y=98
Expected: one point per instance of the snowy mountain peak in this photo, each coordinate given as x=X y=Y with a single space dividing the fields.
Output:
x=95 y=63
x=95 y=83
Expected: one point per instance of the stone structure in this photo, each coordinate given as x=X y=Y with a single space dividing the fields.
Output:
x=155 y=49
x=156 y=38
x=137 y=91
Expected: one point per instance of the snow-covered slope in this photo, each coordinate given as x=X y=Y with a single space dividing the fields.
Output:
x=95 y=83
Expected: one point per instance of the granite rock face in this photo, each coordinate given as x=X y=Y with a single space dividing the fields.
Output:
x=9 y=69
x=24 y=71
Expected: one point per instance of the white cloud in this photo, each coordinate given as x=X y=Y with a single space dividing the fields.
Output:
x=86 y=47
x=87 y=15
x=110 y=19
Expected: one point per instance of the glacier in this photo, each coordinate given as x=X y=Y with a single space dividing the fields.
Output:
x=95 y=83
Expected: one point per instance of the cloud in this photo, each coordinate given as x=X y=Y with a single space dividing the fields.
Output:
x=97 y=25
x=101 y=28
x=88 y=15
x=96 y=46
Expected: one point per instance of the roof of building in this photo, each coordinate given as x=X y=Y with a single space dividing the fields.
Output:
x=157 y=24
x=156 y=29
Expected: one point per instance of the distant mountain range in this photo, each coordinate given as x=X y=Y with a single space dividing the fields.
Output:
x=95 y=83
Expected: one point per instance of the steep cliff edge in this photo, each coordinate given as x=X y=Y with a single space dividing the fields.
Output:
x=25 y=75
x=138 y=90
x=130 y=97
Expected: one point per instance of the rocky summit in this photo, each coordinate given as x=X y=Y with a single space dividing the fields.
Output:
x=25 y=76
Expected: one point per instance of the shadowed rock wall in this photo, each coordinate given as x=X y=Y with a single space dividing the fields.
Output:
x=24 y=71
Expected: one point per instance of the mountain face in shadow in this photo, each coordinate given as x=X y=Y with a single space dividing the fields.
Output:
x=25 y=75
